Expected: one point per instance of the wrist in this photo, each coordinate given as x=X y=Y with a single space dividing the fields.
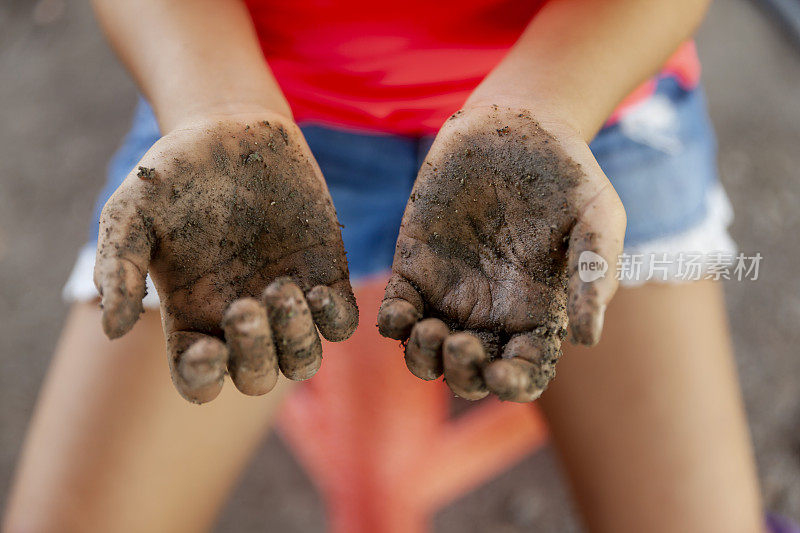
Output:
x=183 y=114
x=550 y=93
x=552 y=114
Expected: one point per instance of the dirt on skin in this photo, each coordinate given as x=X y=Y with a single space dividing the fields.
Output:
x=483 y=247
x=218 y=213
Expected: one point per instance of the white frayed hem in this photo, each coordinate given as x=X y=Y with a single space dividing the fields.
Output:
x=709 y=241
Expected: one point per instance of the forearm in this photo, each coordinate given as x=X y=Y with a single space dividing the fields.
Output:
x=579 y=58
x=192 y=58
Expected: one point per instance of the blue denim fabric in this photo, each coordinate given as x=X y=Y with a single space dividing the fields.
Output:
x=662 y=171
x=664 y=191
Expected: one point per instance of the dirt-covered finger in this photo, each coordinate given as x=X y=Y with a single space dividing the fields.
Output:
x=526 y=368
x=401 y=308
x=596 y=242
x=197 y=364
x=296 y=341
x=121 y=285
x=334 y=310
x=424 y=348
x=464 y=359
x=396 y=317
x=123 y=256
x=253 y=363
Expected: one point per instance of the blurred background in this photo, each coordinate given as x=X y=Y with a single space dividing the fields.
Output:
x=65 y=104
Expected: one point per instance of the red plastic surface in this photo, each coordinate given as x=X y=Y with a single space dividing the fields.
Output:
x=381 y=445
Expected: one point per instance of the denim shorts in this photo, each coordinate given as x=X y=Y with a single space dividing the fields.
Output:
x=660 y=157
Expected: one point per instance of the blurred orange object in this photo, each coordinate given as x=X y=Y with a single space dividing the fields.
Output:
x=381 y=445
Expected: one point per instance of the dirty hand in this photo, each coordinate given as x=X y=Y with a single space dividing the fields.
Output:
x=233 y=220
x=485 y=271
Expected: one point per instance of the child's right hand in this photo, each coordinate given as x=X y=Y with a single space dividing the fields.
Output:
x=233 y=220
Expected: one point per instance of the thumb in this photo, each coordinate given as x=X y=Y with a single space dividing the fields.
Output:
x=595 y=243
x=123 y=256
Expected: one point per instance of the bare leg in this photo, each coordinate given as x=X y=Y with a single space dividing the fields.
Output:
x=650 y=422
x=113 y=447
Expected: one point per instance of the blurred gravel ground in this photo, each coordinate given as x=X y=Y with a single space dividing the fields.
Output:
x=65 y=103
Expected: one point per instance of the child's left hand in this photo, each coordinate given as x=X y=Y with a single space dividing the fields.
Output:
x=485 y=273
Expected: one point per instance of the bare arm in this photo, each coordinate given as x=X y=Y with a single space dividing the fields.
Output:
x=212 y=211
x=578 y=59
x=192 y=58
x=483 y=290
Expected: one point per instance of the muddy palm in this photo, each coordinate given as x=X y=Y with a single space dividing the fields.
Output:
x=233 y=221
x=485 y=271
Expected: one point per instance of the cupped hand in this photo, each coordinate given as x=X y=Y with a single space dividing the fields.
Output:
x=486 y=270
x=233 y=220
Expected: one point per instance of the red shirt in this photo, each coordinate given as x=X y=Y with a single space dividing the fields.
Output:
x=397 y=67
